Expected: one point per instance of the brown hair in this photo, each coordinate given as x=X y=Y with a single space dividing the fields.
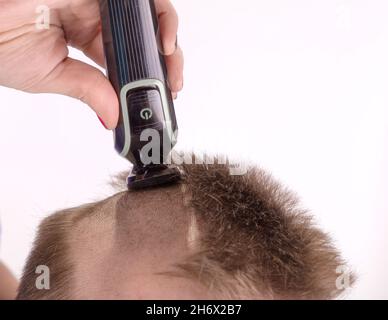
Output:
x=256 y=239
x=51 y=249
x=253 y=240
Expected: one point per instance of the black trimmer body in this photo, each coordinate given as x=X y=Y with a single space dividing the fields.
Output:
x=147 y=128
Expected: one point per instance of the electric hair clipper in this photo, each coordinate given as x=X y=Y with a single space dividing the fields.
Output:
x=138 y=73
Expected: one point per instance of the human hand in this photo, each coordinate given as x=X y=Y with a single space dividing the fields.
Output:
x=36 y=60
x=8 y=284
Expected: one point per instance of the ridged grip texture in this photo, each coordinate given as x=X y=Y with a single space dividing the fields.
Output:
x=130 y=34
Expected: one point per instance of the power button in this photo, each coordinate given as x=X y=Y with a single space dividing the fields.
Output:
x=146 y=114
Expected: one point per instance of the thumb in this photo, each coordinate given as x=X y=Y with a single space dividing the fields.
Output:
x=79 y=80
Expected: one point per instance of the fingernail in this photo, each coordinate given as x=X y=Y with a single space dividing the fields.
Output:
x=175 y=95
x=102 y=122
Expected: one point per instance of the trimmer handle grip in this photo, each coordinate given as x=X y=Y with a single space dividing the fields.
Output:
x=137 y=71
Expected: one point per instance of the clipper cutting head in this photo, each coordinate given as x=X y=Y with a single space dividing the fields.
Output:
x=153 y=176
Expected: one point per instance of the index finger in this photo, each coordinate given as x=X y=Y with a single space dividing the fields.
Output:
x=168 y=25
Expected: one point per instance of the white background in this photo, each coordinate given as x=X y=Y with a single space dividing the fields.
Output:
x=298 y=87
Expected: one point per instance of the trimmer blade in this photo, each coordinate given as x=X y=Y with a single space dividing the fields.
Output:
x=153 y=176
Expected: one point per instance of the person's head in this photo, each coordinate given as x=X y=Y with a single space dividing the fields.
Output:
x=212 y=236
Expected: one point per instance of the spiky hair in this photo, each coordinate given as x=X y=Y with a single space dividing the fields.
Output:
x=255 y=238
